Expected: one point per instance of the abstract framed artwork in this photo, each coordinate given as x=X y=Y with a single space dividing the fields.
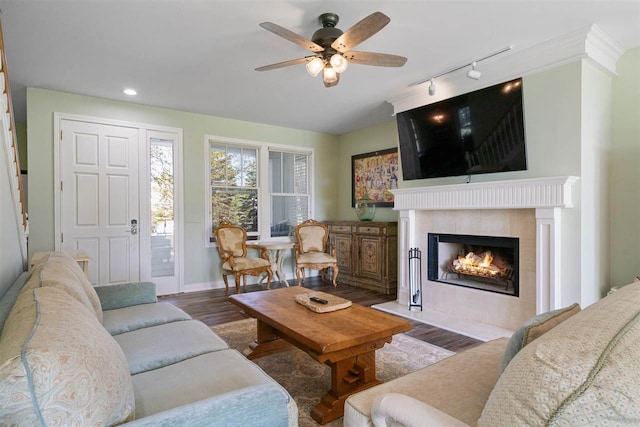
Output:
x=374 y=174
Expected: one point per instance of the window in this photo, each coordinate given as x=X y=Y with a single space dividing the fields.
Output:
x=161 y=160
x=234 y=186
x=238 y=170
x=288 y=191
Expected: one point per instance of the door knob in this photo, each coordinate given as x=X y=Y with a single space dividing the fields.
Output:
x=134 y=227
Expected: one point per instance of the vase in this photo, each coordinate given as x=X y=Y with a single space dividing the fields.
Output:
x=365 y=209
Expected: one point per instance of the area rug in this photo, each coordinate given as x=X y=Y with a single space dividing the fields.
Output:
x=307 y=380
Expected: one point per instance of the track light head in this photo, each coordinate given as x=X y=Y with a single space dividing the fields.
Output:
x=473 y=73
x=432 y=87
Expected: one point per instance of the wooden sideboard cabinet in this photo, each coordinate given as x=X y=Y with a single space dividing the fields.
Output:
x=367 y=254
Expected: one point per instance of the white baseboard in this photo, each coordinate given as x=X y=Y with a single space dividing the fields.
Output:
x=219 y=284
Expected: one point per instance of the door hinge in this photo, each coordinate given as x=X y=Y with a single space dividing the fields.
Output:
x=61 y=237
x=60 y=185
x=61 y=135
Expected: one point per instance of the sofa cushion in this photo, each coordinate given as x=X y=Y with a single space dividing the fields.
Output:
x=534 y=328
x=584 y=371
x=10 y=296
x=162 y=345
x=123 y=295
x=224 y=383
x=58 y=366
x=135 y=317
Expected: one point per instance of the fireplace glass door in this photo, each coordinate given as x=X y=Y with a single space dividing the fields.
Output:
x=487 y=263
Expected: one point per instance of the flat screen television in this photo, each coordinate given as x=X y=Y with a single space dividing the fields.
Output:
x=475 y=133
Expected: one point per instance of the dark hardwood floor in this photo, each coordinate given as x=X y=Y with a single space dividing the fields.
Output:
x=213 y=308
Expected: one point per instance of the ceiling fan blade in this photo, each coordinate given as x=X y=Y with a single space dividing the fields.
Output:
x=361 y=31
x=291 y=36
x=373 y=58
x=285 y=63
x=334 y=83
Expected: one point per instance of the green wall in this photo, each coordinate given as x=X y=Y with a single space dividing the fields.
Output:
x=203 y=262
x=595 y=138
x=363 y=141
x=624 y=195
x=11 y=264
x=21 y=136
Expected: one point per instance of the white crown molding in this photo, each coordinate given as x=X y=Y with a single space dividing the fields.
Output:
x=549 y=192
x=589 y=42
x=602 y=49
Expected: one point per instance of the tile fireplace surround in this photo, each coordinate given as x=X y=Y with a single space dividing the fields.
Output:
x=529 y=209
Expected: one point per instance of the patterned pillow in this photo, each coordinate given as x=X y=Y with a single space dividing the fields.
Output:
x=59 y=366
x=74 y=268
x=56 y=275
x=583 y=372
x=534 y=328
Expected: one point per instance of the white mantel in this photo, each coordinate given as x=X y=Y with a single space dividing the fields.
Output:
x=548 y=196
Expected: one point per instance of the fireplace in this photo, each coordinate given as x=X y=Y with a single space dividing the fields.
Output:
x=530 y=210
x=487 y=263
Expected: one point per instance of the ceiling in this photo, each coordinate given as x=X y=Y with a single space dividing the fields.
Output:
x=200 y=56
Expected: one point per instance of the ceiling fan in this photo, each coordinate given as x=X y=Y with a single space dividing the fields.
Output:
x=332 y=47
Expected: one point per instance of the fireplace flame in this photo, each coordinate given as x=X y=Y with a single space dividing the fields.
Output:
x=478 y=265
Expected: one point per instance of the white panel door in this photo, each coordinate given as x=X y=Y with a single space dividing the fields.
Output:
x=99 y=198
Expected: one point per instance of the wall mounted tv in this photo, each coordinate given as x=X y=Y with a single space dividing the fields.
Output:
x=475 y=133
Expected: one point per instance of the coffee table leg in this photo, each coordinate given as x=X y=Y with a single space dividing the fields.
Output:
x=268 y=342
x=347 y=377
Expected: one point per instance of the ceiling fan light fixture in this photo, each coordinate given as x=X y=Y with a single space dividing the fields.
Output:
x=338 y=62
x=329 y=75
x=331 y=47
x=315 y=66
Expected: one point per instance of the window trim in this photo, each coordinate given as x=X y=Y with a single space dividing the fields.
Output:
x=263 y=148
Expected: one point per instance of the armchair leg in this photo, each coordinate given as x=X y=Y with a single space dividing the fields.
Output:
x=238 y=279
x=335 y=276
x=226 y=284
x=298 y=276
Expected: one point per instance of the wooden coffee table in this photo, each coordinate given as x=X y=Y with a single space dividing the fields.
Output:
x=345 y=340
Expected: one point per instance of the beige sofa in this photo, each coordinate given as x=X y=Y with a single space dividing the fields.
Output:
x=72 y=354
x=584 y=371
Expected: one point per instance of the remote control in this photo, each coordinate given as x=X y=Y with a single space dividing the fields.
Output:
x=319 y=300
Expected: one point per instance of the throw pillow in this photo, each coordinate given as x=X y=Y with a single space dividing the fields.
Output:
x=59 y=366
x=534 y=328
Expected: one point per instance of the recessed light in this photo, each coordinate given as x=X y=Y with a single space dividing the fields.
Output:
x=130 y=92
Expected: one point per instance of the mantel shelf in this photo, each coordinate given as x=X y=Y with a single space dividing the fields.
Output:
x=549 y=192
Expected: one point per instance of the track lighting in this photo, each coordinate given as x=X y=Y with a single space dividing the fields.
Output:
x=473 y=73
x=432 y=88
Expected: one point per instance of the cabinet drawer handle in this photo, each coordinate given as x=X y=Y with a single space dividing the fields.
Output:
x=370 y=230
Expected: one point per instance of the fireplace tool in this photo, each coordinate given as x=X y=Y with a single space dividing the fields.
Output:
x=415 y=278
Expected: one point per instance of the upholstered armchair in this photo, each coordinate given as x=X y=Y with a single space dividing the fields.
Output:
x=311 y=250
x=232 y=245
